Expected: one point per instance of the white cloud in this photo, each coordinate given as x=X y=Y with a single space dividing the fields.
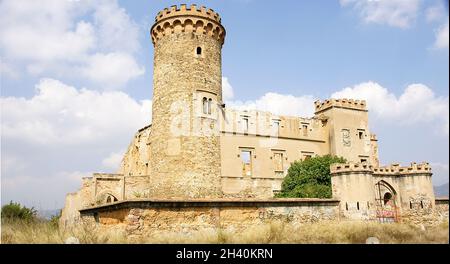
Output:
x=112 y=70
x=396 y=13
x=112 y=162
x=70 y=36
x=279 y=104
x=61 y=114
x=227 y=89
x=416 y=104
x=442 y=37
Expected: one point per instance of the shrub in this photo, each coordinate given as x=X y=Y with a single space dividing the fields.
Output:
x=309 y=178
x=15 y=211
x=54 y=219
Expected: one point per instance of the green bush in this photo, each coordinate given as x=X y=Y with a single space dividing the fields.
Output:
x=54 y=219
x=309 y=178
x=15 y=211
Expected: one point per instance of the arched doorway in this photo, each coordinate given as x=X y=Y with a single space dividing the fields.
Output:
x=385 y=201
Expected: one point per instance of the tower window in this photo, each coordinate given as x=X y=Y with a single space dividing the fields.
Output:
x=205 y=105
x=209 y=106
x=199 y=51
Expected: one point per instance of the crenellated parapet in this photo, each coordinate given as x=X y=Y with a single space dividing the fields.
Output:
x=396 y=169
x=191 y=19
x=351 y=167
x=392 y=170
x=340 y=103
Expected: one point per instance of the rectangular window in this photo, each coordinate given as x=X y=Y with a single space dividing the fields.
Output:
x=306 y=155
x=361 y=133
x=246 y=157
x=305 y=130
x=245 y=124
x=278 y=161
x=276 y=127
x=363 y=160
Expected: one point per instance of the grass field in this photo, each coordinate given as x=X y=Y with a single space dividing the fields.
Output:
x=44 y=232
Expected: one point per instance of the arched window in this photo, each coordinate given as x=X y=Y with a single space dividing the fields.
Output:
x=209 y=106
x=205 y=105
x=199 y=51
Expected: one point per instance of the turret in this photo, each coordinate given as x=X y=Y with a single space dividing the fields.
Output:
x=187 y=99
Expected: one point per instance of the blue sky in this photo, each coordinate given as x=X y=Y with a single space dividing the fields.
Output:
x=76 y=78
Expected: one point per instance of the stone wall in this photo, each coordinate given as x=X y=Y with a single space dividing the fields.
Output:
x=152 y=217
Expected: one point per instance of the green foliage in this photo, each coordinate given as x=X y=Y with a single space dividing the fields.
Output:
x=54 y=219
x=309 y=178
x=15 y=211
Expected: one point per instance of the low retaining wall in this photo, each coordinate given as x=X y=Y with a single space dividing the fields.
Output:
x=150 y=217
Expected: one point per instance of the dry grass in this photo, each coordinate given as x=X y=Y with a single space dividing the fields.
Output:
x=274 y=232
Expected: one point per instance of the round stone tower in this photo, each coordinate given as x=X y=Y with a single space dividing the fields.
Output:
x=187 y=102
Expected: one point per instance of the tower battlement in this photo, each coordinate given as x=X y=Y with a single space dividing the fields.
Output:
x=396 y=169
x=183 y=10
x=350 y=167
x=188 y=19
x=340 y=103
x=393 y=169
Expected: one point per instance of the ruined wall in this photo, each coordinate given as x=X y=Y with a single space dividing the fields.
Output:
x=136 y=160
x=163 y=217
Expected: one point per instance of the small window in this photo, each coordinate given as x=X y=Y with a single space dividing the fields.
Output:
x=245 y=124
x=278 y=161
x=361 y=134
x=410 y=205
x=368 y=205
x=421 y=204
x=307 y=157
x=305 y=130
x=199 y=51
x=276 y=126
x=246 y=157
x=357 y=205
x=346 y=206
x=363 y=160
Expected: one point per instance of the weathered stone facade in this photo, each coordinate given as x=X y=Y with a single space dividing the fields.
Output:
x=197 y=148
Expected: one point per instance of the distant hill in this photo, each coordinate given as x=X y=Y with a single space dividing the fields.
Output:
x=441 y=190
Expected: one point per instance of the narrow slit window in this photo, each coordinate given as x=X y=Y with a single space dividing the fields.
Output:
x=410 y=205
x=199 y=50
x=205 y=105
x=357 y=205
x=209 y=105
x=346 y=206
x=421 y=204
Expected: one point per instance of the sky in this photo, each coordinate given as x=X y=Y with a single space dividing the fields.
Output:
x=76 y=78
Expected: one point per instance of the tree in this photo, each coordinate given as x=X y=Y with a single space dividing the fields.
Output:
x=309 y=178
x=16 y=211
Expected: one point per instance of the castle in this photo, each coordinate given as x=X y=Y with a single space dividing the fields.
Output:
x=202 y=165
